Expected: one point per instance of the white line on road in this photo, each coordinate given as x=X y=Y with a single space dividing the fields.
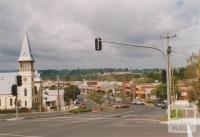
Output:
x=116 y=114
x=189 y=131
x=13 y=135
x=127 y=115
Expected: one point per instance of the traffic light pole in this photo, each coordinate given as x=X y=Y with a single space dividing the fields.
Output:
x=17 y=109
x=166 y=57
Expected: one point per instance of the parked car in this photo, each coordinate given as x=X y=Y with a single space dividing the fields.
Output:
x=164 y=105
x=82 y=106
x=159 y=103
x=138 y=102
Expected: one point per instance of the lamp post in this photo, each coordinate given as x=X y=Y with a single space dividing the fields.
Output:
x=166 y=56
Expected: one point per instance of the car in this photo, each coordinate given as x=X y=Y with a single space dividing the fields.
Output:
x=158 y=103
x=164 y=105
x=82 y=106
x=138 y=102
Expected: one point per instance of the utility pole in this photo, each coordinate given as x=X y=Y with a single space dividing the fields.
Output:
x=168 y=72
x=58 y=80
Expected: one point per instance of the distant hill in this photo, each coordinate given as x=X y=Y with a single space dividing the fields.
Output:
x=7 y=71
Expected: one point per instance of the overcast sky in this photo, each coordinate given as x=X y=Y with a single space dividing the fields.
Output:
x=62 y=32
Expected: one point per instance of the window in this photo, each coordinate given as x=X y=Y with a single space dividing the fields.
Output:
x=0 y=102
x=35 y=90
x=25 y=92
x=25 y=103
x=11 y=102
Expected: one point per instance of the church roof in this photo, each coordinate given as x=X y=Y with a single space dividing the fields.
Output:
x=26 y=54
x=6 y=81
x=37 y=76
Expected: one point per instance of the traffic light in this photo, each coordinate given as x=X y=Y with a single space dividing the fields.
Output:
x=169 y=50
x=19 y=80
x=14 y=90
x=98 y=44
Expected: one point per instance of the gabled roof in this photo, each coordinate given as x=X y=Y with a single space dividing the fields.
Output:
x=6 y=81
x=25 y=54
x=37 y=76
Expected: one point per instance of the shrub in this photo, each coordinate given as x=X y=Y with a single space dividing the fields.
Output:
x=198 y=105
x=24 y=109
x=79 y=110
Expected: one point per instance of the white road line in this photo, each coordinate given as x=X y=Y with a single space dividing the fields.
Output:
x=189 y=131
x=116 y=114
x=127 y=115
x=13 y=135
x=154 y=120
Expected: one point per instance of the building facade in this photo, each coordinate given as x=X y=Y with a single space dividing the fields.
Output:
x=30 y=93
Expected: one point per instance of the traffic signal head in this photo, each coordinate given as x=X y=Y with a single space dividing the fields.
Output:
x=14 y=90
x=19 y=80
x=169 y=50
x=98 y=44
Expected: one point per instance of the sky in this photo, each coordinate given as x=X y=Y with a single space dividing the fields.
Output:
x=62 y=32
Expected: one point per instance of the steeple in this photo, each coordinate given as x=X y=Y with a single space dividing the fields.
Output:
x=26 y=54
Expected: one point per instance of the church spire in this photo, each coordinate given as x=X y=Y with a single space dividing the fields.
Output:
x=25 y=54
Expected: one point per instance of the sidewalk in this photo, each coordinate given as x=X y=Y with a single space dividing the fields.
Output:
x=34 y=115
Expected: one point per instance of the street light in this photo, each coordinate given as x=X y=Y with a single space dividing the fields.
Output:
x=166 y=56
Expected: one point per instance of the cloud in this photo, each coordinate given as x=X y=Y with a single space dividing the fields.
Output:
x=62 y=32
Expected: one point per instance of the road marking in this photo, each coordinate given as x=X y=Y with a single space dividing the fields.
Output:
x=116 y=114
x=154 y=120
x=189 y=131
x=127 y=115
x=13 y=135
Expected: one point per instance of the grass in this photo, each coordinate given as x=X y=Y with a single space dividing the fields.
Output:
x=175 y=115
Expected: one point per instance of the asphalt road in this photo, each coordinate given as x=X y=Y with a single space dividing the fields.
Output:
x=139 y=121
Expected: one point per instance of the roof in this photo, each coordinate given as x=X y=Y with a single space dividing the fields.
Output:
x=25 y=54
x=6 y=81
x=37 y=76
x=52 y=95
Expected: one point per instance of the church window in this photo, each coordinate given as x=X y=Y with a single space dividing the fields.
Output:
x=25 y=92
x=11 y=102
x=0 y=102
x=25 y=103
x=35 y=90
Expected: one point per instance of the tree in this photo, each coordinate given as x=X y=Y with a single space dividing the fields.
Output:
x=160 y=91
x=193 y=74
x=71 y=92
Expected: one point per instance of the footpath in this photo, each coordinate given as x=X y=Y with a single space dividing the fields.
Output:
x=33 y=115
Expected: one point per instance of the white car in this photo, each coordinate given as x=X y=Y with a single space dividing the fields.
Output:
x=138 y=102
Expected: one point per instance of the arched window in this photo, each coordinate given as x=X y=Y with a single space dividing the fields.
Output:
x=25 y=92
x=0 y=102
x=35 y=89
x=11 y=102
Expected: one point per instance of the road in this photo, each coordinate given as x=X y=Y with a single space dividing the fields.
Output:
x=138 y=121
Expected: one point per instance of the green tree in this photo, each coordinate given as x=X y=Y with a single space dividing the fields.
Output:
x=71 y=92
x=193 y=74
x=160 y=91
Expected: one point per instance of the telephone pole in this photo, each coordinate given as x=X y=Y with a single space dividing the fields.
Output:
x=58 y=80
x=169 y=72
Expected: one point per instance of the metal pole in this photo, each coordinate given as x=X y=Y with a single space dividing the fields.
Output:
x=16 y=105
x=168 y=84
x=58 y=93
x=166 y=58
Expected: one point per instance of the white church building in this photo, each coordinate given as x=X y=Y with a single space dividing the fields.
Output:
x=30 y=93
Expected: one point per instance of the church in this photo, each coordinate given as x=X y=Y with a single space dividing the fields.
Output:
x=30 y=93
